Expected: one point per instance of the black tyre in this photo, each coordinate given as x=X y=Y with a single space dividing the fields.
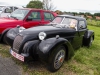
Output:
x=56 y=58
x=90 y=41
x=4 y=38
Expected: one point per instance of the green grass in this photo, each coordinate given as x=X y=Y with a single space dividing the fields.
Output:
x=93 y=22
x=86 y=61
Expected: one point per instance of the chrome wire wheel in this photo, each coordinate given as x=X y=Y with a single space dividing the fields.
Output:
x=59 y=59
x=56 y=58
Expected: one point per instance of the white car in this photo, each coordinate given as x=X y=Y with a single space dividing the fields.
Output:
x=6 y=10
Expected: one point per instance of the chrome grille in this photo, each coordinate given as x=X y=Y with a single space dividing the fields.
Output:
x=17 y=42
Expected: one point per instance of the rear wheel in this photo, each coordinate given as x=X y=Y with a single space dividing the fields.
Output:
x=56 y=58
x=90 y=41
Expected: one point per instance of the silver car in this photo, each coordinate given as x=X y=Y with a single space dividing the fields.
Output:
x=6 y=10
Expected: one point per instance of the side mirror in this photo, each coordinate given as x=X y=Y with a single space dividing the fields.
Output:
x=29 y=18
x=81 y=26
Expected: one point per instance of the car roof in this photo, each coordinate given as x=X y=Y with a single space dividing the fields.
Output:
x=75 y=17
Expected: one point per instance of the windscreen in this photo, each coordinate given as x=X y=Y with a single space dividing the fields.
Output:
x=19 y=14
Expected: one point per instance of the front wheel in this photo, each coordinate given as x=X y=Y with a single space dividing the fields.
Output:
x=56 y=58
x=4 y=38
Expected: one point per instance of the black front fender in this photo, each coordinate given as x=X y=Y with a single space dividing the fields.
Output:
x=30 y=47
x=48 y=45
x=11 y=34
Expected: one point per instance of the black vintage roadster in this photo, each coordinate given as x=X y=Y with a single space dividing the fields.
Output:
x=53 y=42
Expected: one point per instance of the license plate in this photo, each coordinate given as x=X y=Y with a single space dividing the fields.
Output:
x=18 y=56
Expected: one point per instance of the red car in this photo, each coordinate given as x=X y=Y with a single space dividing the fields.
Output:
x=25 y=17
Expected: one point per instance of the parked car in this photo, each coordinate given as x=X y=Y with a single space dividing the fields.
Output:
x=53 y=42
x=25 y=17
x=6 y=10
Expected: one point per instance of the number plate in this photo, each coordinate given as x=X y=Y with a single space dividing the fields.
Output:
x=16 y=55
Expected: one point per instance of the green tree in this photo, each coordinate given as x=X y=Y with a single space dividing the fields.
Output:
x=35 y=4
x=81 y=13
x=74 y=13
x=96 y=14
x=88 y=14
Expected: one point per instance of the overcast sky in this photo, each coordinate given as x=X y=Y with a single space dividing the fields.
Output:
x=65 y=5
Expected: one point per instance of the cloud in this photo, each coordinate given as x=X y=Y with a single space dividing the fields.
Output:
x=78 y=5
x=15 y=2
x=4 y=3
x=64 y=5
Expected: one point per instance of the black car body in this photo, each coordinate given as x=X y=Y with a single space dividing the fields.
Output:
x=53 y=42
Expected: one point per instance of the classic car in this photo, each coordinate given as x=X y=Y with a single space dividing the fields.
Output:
x=26 y=17
x=51 y=43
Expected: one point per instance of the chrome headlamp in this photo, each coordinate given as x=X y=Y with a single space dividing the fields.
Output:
x=42 y=35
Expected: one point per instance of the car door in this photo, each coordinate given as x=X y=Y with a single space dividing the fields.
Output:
x=82 y=29
x=78 y=36
x=47 y=17
x=71 y=32
x=33 y=19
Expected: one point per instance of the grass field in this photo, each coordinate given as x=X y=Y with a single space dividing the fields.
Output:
x=93 y=22
x=86 y=61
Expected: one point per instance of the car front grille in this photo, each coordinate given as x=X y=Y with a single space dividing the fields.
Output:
x=17 y=42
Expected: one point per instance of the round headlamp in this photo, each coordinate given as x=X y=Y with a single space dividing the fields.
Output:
x=21 y=29
x=42 y=35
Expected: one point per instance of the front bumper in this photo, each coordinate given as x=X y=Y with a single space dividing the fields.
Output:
x=22 y=57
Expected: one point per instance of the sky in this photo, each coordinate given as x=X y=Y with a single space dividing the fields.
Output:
x=91 y=6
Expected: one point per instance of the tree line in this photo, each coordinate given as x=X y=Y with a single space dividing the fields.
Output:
x=80 y=13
